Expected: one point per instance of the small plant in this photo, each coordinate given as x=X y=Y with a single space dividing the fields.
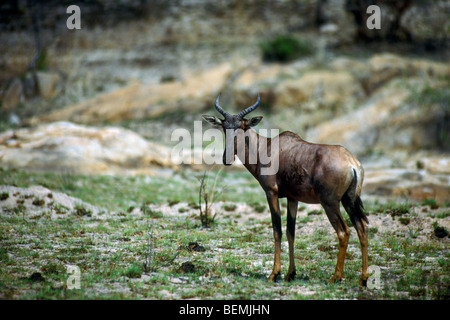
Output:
x=404 y=220
x=59 y=208
x=439 y=231
x=183 y=209
x=41 y=62
x=133 y=271
x=81 y=211
x=146 y=210
x=259 y=207
x=148 y=263
x=38 y=202
x=413 y=233
x=64 y=180
x=173 y=202
x=285 y=48
x=397 y=209
x=316 y=212
x=206 y=198
x=431 y=203
x=229 y=207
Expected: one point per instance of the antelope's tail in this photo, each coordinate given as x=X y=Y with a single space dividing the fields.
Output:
x=352 y=201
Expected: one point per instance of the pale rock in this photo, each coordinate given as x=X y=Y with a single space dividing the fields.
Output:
x=47 y=83
x=435 y=164
x=13 y=95
x=328 y=88
x=64 y=146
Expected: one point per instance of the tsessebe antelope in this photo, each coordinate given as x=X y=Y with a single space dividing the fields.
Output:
x=307 y=172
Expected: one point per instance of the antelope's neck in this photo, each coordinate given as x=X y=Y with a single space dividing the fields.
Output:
x=251 y=159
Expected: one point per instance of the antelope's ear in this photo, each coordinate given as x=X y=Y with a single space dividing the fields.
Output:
x=254 y=121
x=216 y=122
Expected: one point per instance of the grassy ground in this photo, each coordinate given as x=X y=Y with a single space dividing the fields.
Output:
x=147 y=242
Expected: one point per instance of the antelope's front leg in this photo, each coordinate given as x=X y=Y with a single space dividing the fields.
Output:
x=274 y=206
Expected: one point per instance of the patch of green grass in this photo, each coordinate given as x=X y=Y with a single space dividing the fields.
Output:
x=122 y=192
x=391 y=207
x=285 y=48
x=429 y=95
x=441 y=215
x=133 y=271
x=431 y=203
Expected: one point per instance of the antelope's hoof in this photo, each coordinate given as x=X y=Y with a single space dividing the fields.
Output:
x=273 y=277
x=363 y=281
x=336 y=278
x=289 y=276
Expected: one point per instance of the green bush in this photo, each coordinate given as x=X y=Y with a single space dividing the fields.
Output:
x=42 y=61
x=285 y=48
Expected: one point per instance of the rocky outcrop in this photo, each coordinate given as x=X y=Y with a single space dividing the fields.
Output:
x=297 y=86
x=388 y=122
x=342 y=81
x=410 y=183
x=67 y=147
x=381 y=68
x=327 y=88
x=138 y=100
x=344 y=84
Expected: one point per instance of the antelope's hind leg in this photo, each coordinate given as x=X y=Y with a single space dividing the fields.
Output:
x=359 y=220
x=343 y=233
x=290 y=234
x=362 y=231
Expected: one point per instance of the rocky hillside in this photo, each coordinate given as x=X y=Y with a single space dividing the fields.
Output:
x=153 y=40
x=381 y=104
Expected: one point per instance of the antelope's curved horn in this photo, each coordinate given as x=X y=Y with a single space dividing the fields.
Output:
x=218 y=107
x=249 y=109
